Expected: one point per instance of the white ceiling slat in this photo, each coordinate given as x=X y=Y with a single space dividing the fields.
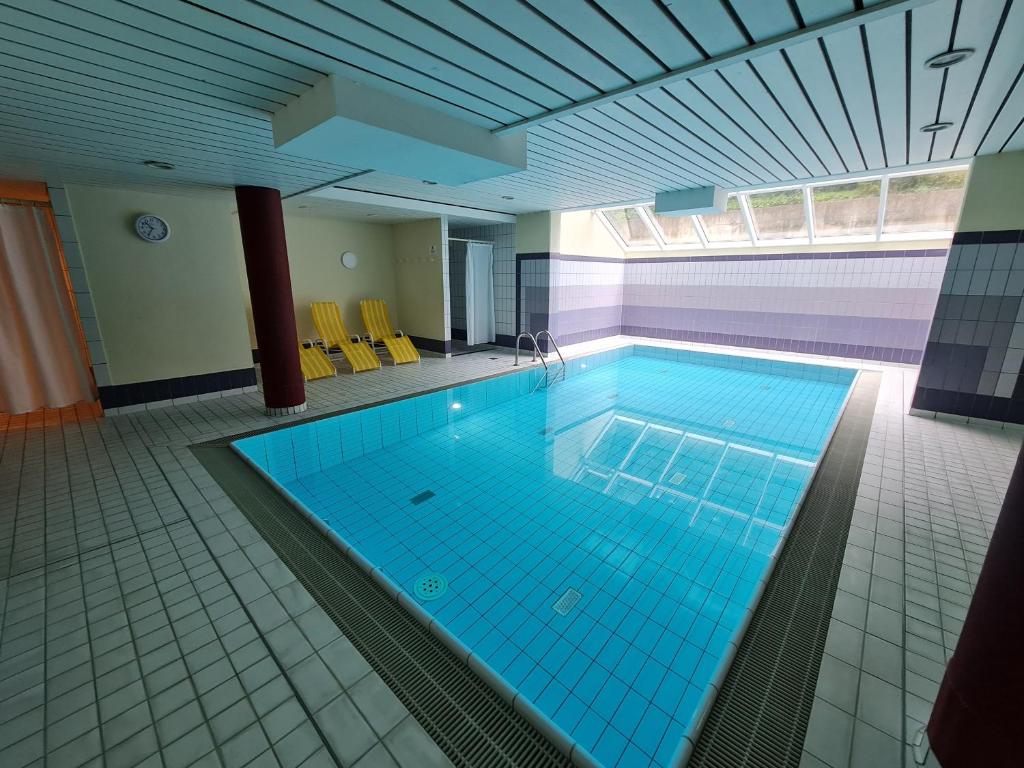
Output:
x=814 y=11
x=931 y=25
x=480 y=33
x=172 y=142
x=650 y=23
x=1006 y=123
x=554 y=137
x=976 y=31
x=846 y=50
x=702 y=154
x=520 y=20
x=20 y=86
x=1002 y=69
x=765 y=18
x=154 y=18
x=764 y=147
x=812 y=69
x=584 y=22
x=352 y=32
x=353 y=61
x=677 y=166
x=42 y=61
x=119 y=57
x=710 y=25
x=887 y=43
x=778 y=78
x=577 y=131
x=447 y=46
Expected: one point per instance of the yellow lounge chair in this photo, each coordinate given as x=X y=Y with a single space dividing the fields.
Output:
x=328 y=322
x=375 y=318
x=315 y=363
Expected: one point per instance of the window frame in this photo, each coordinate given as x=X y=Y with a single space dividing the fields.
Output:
x=661 y=242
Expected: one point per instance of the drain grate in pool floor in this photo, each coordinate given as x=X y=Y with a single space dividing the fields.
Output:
x=567 y=602
x=419 y=498
x=430 y=586
x=760 y=715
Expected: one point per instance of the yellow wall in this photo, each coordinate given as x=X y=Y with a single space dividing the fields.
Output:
x=537 y=232
x=581 y=233
x=994 y=195
x=419 y=279
x=169 y=309
x=315 y=246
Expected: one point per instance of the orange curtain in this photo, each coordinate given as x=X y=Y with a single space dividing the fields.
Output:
x=42 y=363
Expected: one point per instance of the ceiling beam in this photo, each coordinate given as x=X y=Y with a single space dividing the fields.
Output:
x=769 y=45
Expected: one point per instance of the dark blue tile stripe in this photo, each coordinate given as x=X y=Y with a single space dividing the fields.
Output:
x=119 y=395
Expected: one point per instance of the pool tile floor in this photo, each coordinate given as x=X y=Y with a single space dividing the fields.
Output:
x=144 y=622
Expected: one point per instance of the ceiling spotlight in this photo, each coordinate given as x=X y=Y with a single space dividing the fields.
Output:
x=936 y=127
x=159 y=164
x=948 y=58
x=431 y=183
x=302 y=206
x=507 y=197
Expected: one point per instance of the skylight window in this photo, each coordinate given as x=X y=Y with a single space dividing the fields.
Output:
x=728 y=227
x=898 y=206
x=675 y=230
x=928 y=202
x=778 y=215
x=848 y=209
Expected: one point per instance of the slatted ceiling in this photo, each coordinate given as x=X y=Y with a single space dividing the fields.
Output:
x=1001 y=64
x=735 y=139
x=710 y=25
x=765 y=18
x=845 y=50
x=699 y=136
x=768 y=88
x=887 y=46
x=813 y=11
x=526 y=22
x=976 y=31
x=608 y=39
x=108 y=83
x=650 y=22
x=428 y=36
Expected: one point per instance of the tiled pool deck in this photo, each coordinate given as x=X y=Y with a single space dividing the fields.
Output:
x=144 y=622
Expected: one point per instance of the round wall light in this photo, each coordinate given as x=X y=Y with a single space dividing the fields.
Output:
x=349 y=260
x=948 y=58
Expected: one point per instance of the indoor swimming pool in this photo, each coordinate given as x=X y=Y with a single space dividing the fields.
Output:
x=596 y=539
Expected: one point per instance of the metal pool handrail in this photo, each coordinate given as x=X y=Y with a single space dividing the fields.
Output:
x=536 y=349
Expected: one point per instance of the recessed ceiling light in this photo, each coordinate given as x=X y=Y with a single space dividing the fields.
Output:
x=431 y=183
x=948 y=58
x=302 y=206
x=936 y=127
x=507 y=197
x=159 y=164
x=371 y=214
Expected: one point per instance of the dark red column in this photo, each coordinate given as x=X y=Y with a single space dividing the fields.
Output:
x=270 y=288
x=978 y=716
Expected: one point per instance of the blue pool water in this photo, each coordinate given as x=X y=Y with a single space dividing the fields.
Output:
x=643 y=497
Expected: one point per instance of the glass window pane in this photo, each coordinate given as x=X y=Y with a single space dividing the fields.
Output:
x=630 y=226
x=846 y=209
x=924 y=202
x=678 y=230
x=778 y=215
x=728 y=227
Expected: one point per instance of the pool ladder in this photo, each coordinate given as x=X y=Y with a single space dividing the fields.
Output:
x=548 y=380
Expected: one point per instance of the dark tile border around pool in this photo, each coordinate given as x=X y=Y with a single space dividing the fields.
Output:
x=760 y=714
x=460 y=711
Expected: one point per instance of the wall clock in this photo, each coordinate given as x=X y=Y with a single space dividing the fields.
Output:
x=152 y=228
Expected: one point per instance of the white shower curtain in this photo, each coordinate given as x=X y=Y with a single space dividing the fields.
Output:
x=41 y=358
x=479 y=294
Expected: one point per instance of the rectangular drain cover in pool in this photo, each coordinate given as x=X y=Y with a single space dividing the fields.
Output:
x=567 y=602
x=419 y=498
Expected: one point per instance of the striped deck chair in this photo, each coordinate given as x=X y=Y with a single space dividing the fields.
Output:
x=328 y=322
x=375 y=318
x=315 y=363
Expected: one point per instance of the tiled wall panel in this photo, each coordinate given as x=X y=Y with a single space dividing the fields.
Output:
x=586 y=298
x=973 y=361
x=457 y=287
x=863 y=304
